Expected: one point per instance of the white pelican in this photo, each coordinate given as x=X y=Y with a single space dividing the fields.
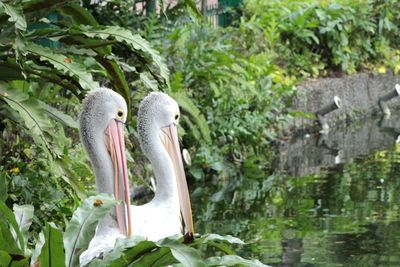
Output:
x=169 y=212
x=101 y=131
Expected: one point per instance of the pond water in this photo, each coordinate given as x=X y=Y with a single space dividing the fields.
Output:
x=332 y=201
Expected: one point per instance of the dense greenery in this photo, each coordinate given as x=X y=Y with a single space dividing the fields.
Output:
x=46 y=68
x=314 y=38
x=54 y=248
x=234 y=86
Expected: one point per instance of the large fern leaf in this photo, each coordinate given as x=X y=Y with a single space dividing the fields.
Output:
x=30 y=112
x=15 y=15
x=135 y=41
x=71 y=68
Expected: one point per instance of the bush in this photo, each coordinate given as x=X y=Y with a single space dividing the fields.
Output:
x=314 y=38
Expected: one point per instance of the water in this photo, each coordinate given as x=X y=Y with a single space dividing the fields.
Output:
x=333 y=201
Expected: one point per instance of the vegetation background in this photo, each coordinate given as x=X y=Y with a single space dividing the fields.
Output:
x=234 y=86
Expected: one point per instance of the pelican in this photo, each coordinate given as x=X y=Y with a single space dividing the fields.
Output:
x=101 y=132
x=169 y=212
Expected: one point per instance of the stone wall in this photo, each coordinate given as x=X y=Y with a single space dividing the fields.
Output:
x=359 y=93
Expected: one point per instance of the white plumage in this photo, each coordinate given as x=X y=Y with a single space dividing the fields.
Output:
x=157 y=121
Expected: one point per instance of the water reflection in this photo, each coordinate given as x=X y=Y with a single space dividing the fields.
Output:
x=309 y=154
x=338 y=204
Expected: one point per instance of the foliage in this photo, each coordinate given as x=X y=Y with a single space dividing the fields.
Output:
x=81 y=228
x=49 y=59
x=319 y=38
x=52 y=242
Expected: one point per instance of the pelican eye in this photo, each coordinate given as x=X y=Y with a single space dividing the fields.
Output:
x=176 y=116
x=120 y=114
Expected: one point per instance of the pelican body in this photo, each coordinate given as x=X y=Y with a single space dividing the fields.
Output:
x=101 y=131
x=169 y=212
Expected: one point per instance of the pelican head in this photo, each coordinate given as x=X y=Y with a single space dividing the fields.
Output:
x=158 y=118
x=101 y=131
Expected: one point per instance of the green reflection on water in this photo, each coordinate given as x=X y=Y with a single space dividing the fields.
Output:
x=344 y=216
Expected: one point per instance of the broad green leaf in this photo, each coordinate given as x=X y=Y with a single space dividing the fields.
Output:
x=5 y=258
x=12 y=260
x=78 y=14
x=52 y=253
x=70 y=68
x=16 y=15
x=24 y=215
x=60 y=116
x=186 y=255
x=135 y=41
x=81 y=229
x=126 y=252
x=231 y=260
x=7 y=241
x=121 y=245
x=159 y=257
x=7 y=219
x=30 y=112
x=193 y=11
x=139 y=252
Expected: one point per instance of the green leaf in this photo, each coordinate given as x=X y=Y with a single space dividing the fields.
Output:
x=81 y=229
x=138 y=252
x=5 y=258
x=7 y=241
x=78 y=14
x=159 y=257
x=230 y=260
x=72 y=69
x=60 y=116
x=126 y=251
x=30 y=112
x=193 y=11
x=16 y=15
x=135 y=41
x=24 y=215
x=7 y=218
x=52 y=253
x=186 y=255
